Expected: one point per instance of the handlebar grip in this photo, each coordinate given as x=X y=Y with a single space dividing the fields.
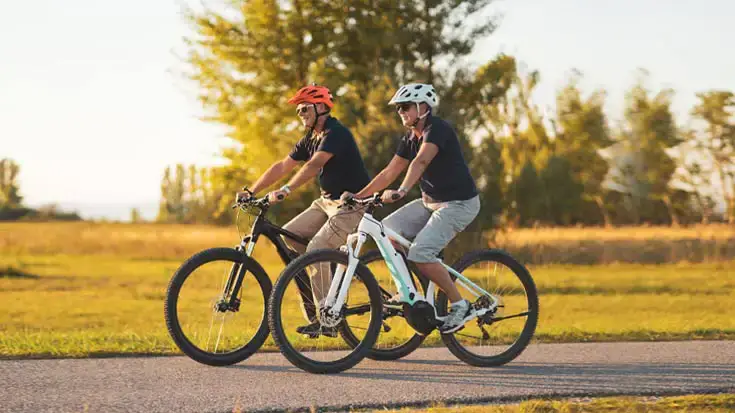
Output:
x=395 y=196
x=280 y=197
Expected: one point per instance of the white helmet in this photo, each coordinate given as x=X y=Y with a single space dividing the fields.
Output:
x=417 y=93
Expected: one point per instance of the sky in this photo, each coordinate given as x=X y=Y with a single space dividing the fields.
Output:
x=93 y=109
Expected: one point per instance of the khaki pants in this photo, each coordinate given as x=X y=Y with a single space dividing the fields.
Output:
x=326 y=227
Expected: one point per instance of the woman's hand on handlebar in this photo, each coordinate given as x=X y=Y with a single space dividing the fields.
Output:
x=277 y=196
x=390 y=196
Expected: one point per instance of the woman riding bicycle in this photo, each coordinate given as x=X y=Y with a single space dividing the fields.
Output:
x=449 y=203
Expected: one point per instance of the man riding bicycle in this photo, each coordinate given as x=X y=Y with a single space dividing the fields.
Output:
x=330 y=151
x=449 y=198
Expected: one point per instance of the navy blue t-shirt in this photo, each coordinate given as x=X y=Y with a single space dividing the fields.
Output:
x=447 y=177
x=345 y=171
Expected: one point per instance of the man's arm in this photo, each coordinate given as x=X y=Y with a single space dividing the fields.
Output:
x=276 y=171
x=385 y=177
x=310 y=169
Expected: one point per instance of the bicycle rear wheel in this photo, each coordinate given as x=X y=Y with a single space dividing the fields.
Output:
x=499 y=336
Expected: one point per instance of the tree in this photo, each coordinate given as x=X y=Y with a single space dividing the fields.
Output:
x=172 y=207
x=562 y=193
x=488 y=168
x=528 y=196
x=501 y=116
x=527 y=139
x=249 y=64
x=581 y=132
x=641 y=167
x=716 y=110
x=9 y=189
x=135 y=216
x=194 y=195
x=164 y=207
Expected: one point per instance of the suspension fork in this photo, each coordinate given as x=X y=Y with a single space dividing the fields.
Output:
x=342 y=277
x=237 y=273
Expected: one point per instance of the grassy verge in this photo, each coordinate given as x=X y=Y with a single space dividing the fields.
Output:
x=692 y=404
x=81 y=305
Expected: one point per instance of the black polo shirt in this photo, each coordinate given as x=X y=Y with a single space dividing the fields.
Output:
x=447 y=177
x=345 y=171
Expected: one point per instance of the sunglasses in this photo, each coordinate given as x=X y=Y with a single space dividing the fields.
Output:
x=404 y=107
x=302 y=110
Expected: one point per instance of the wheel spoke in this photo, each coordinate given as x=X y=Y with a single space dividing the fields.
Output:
x=491 y=343
x=199 y=291
x=221 y=328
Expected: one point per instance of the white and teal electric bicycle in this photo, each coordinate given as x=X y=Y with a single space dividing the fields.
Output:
x=499 y=327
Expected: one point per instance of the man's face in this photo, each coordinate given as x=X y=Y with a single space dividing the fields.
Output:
x=408 y=112
x=307 y=114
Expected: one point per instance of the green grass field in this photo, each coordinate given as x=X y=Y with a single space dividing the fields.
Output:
x=81 y=305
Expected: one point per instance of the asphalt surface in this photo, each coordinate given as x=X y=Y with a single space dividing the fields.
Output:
x=267 y=381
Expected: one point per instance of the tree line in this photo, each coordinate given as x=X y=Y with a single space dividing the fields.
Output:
x=567 y=168
x=11 y=200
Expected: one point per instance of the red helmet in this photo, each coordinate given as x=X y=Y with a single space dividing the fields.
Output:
x=313 y=94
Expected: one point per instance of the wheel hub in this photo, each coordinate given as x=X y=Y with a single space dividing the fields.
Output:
x=327 y=319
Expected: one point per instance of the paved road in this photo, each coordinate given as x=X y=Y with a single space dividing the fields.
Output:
x=268 y=382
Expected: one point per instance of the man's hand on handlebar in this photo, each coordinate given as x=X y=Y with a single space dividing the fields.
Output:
x=243 y=196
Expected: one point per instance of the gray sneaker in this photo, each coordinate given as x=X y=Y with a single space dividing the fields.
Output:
x=455 y=320
x=314 y=330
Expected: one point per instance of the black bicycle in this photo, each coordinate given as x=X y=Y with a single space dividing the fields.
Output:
x=216 y=302
x=215 y=306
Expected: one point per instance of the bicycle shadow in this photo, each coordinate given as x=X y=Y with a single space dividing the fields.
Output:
x=616 y=377
x=563 y=376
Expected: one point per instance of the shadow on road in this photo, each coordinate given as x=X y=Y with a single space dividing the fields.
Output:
x=532 y=376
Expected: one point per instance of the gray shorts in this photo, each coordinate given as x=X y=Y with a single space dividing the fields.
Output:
x=431 y=225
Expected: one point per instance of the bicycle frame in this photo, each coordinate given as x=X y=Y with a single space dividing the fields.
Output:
x=273 y=232
x=370 y=227
x=262 y=226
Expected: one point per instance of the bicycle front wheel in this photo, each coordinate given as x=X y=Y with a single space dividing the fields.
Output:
x=321 y=350
x=499 y=336
x=213 y=318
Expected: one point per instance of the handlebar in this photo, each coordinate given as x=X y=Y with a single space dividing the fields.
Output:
x=261 y=203
x=372 y=202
